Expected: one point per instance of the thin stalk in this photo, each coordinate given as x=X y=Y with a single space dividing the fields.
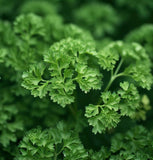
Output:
x=118 y=67
x=60 y=150
x=113 y=77
x=110 y=82
x=56 y=154
x=107 y=87
x=55 y=157
x=112 y=73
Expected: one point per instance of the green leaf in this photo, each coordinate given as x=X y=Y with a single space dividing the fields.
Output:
x=107 y=58
x=3 y=53
x=134 y=144
x=10 y=125
x=76 y=32
x=69 y=63
x=110 y=100
x=137 y=64
x=74 y=150
x=101 y=118
x=88 y=78
x=50 y=143
x=141 y=73
x=28 y=25
x=130 y=99
x=97 y=17
x=104 y=116
x=34 y=81
x=102 y=154
x=143 y=35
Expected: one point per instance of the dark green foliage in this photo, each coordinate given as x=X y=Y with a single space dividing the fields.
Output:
x=52 y=143
x=135 y=144
x=143 y=35
x=97 y=17
x=76 y=80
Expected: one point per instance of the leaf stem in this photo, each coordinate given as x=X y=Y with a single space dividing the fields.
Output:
x=56 y=154
x=60 y=150
x=118 y=67
x=113 y=77
x=110 y=82
x=55 y=157
x=112 y=73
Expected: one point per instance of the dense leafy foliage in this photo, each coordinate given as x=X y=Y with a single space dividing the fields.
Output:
x=76 y=80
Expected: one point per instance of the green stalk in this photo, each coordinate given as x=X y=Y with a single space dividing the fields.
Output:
x=118 y=67
x=113 y=77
